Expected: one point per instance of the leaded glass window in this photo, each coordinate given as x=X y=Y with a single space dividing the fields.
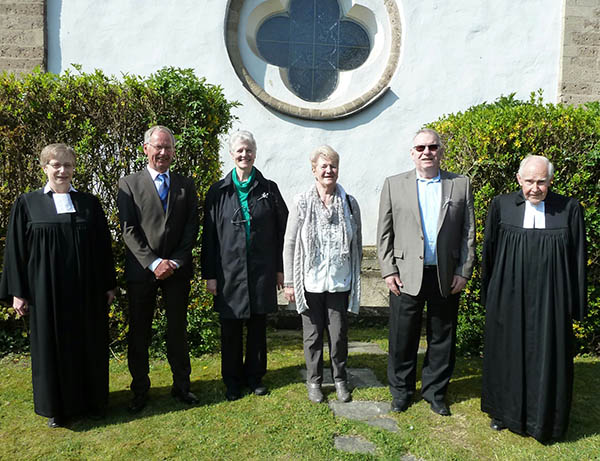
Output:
x=313 y=43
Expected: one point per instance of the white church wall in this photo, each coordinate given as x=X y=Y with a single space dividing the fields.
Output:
x=454 y=55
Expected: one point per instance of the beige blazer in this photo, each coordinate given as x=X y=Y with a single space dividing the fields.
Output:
x=400 y=240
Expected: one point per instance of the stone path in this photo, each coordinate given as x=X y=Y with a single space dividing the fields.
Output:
x=372 y=413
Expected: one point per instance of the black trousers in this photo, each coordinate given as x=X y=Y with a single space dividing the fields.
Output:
x=236 y=371
x=326 y=311
x=406 y=312
x=142 y=304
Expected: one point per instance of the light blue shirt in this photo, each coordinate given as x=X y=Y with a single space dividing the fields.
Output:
x=430 y=197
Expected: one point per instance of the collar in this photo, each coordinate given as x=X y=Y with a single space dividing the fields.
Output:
x=437 y=178
x=520 y=198
x=243 y=184
x=154 y=173
x=227 y=181
x=48 y=189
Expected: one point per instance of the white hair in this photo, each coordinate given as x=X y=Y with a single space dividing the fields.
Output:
x=244 y=136
x=529 y=157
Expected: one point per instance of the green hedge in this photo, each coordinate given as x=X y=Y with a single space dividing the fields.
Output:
x=104 y=119
x=487 y=143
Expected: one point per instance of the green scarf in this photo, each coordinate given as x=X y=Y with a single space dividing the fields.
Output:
x=243 y=189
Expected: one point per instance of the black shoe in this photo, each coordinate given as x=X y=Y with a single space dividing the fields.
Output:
x=232 y=394
x=497 y=425
x=185 y=397
x=400 y=405
x=439 y=407
x=261 y=389
x=54 y=422
x=138 y=403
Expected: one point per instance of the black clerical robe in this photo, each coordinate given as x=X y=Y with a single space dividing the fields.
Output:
x=534 y=285
x=62 y=264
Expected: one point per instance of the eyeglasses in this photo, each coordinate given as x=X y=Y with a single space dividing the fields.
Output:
x=58 y=165
x=422 y=147
x=160 y=148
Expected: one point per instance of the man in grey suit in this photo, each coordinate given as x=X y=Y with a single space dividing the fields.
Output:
x=426 y=246
x=158 y=210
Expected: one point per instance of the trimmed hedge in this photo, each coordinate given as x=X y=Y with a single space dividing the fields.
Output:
x=104 y=118
x=487 y=143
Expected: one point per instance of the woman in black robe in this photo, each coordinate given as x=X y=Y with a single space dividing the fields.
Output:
x=534 y=285
x=58 y=267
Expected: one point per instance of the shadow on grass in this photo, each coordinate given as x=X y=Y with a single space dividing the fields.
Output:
x=464 y=386
x=209 y=392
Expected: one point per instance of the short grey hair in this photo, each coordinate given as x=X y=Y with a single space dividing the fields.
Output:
x=326 y=152
x=430 y=131
x=58 y=151
x=244 y=136
x=529 y=157
x=152 y=129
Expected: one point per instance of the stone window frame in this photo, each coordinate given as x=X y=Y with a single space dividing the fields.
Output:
x=373 y=94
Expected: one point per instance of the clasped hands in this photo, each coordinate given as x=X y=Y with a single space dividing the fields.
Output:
x=165 y=269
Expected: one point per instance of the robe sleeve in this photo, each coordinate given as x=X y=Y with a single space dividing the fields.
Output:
x=579 y=261
x=488 y=252
x=14 y=281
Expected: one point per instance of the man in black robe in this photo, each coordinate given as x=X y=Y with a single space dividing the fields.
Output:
x=534 y=285
x=58 y=267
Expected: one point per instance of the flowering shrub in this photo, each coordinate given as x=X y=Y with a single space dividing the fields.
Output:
x=104 y=119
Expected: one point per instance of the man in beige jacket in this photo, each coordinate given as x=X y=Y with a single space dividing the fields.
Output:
x=426 y=246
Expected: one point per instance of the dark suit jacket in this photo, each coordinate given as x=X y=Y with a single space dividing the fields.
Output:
x=400 y=239
x=150 y=233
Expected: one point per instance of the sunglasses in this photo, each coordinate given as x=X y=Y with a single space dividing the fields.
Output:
x=421 y=147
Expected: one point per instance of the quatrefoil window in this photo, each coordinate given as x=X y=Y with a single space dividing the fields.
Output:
x=313 y=43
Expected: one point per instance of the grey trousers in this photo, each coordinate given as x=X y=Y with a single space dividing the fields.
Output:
x=325 y=311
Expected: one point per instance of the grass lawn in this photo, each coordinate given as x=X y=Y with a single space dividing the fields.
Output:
x=283 y=425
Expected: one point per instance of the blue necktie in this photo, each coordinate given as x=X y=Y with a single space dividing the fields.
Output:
x=163 y=190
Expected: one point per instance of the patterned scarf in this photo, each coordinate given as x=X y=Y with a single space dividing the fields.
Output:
x=324 y=223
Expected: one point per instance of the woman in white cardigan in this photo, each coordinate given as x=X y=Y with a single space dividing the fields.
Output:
x=322 y=256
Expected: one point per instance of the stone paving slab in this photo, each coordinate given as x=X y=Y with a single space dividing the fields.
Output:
x=353 y=444
x=373 y=413
x=357 y=347
x=357 y=377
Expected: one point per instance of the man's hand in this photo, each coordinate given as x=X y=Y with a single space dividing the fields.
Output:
x=289 y=294
x=279 y=280
x=211 y=286
x=393 y=283
x=20 y=305
x=165 y=269
x=458 y=283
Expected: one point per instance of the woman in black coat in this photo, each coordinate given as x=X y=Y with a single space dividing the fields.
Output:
x=242 y=243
